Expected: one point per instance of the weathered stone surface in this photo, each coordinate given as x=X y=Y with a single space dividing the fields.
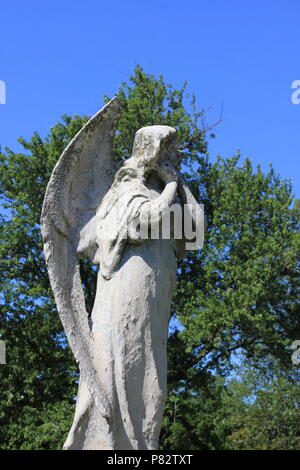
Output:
x=91 y=209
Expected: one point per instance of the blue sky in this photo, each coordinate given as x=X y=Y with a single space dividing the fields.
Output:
x=62 y=56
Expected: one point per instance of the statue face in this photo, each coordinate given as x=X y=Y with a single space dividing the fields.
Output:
x=171 y=154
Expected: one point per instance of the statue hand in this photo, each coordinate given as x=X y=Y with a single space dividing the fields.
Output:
x=167 y=173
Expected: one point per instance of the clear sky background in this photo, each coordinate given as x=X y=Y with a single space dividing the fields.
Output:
x=63 y=56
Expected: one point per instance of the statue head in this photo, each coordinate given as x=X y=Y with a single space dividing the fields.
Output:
x=152 y=146
x=155 y=144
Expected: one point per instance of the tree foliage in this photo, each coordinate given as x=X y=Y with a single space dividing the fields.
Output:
x=239 y=293
x=264 y=405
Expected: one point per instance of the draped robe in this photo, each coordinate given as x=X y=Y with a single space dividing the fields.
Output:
x=129 y=328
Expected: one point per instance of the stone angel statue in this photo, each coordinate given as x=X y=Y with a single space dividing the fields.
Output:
x=94 y=208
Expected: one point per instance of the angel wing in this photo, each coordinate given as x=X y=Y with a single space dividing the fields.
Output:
x=80 y=179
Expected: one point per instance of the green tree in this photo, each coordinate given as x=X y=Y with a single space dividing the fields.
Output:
x=243 y=287
x=263 y=406
x=240 y=291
